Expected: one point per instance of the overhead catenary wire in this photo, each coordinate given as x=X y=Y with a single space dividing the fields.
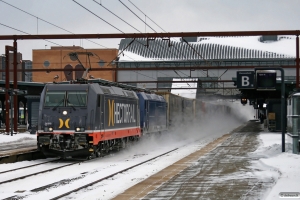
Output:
x=61 y=28
x=117 y=16
x=127 y=24
x=209 y=63
x=97 y=16
x=146 y=16
x=141 y=73
x=119 y=29
x=36 y=37
x=148 y=26
x=165 y=31
x=54 y=42
x=137 y=16
x=28 y=34
x=38 y=18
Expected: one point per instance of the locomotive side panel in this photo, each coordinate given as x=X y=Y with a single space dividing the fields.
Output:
x=157 y=116
x=153 y=112
x=118 y=115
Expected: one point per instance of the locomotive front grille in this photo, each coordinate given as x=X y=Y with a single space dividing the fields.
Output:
x=45 y=139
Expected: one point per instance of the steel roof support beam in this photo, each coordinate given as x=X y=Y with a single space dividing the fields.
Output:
x=166 y=81
x=148 y=35
x=297 y=61
x=151 y=68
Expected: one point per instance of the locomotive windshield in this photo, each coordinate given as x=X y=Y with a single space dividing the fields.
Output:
x=76 y=98
x=55 y=99
x=58 y=99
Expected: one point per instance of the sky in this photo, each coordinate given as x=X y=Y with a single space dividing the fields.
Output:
x=170 y=16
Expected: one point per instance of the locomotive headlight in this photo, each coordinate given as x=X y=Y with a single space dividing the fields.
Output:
x=65 y=112
x=48 y=129
x=79 y=129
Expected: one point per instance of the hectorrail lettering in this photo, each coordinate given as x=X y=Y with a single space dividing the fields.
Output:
x=120 y=113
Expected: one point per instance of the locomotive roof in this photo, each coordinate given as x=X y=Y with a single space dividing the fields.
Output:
x=52 y=86
x=152 y=97
x=103 y=82
x=108 y=90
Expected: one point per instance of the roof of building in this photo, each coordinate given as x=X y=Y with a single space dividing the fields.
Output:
x=259 y=47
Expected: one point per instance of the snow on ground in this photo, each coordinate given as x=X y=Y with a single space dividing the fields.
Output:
x=95 y=169
x=282 y=167
x=285 y=164
x=4 y=138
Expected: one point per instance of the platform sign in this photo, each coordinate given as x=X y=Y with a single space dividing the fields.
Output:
x=266 y=79
x=245 y=79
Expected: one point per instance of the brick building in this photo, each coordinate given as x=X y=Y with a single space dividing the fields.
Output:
x=59 y=58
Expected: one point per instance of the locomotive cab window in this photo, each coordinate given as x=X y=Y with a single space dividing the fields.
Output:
x=77 y=98
x=55 y=99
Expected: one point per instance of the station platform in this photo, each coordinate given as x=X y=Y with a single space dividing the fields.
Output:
x=21 y=128
x=226 y=168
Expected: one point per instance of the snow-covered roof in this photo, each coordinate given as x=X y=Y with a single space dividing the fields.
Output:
x=208 y=48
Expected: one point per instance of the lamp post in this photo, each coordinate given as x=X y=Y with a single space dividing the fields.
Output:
x=10 y=93
x=11 y=113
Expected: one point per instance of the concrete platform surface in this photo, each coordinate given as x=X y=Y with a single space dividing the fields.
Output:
x=220 y=170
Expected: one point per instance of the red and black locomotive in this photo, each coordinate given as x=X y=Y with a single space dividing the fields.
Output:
x=90 y=119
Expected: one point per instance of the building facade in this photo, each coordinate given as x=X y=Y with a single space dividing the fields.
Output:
x=11 y=66
x=70 y=58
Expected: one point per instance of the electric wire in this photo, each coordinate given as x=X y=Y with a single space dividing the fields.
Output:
x=165 y=31
x=97 y=16
x=37 y=38
x=47 y=22
x=29 y=34
x=209 y=63
x=119 y=29
x=143 y=74
x=129 y=25
x=56 y=43
x=93 y=14
x=117 y=16
x=146 y=16
x=150 y=27
x=137 y=16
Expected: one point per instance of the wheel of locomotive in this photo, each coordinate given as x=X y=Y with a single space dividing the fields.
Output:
x=98 y=154
x=124 y=143
x=97 y=151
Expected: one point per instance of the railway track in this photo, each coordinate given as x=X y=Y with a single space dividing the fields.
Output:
x=81 y=176
x=10 y=172
x=16 y=169
x=111 y=175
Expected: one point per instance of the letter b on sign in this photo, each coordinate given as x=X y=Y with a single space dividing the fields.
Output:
x=245 y=79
